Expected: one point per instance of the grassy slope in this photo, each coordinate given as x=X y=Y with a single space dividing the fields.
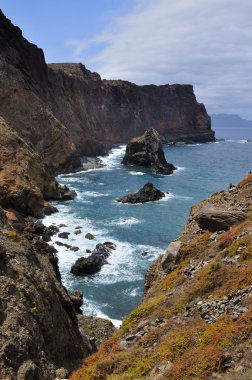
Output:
x=178 y=344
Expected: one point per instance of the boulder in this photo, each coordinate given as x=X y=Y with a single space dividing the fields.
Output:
x=89 y=265
x=213 y=219
x=169 y=259
x=148 y=193
x=63 y=235
x=89 y=236
x=147 y=151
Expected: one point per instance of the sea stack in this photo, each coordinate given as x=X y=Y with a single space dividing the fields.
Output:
x=147 y=150
x=148 y=193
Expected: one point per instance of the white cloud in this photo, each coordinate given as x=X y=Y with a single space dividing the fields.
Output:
x=204 y=42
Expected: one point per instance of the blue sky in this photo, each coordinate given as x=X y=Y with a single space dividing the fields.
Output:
x=207 y=43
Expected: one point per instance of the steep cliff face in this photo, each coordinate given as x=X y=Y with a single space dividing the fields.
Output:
x=195 y=320
x=117 y=111
x=63 y=111
x=38 y=324
x=23 y=97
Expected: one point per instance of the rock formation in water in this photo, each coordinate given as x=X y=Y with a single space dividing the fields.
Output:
x=58 y=113
x=148 y=193
x=195 y=319
x=147 y=150
x=85 y=266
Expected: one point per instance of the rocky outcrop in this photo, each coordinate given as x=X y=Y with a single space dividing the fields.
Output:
x=97 y=329
x=60 y=112
x=85 y=266
x=216 y=219
x=147 y=151
x=39 y=331
x=195 y=319
x=148 y=193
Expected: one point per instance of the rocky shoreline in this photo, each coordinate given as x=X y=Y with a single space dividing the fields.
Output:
x=195 y=318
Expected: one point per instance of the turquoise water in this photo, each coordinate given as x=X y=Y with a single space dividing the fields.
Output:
x=117 y=288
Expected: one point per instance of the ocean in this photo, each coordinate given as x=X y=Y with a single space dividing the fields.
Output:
x=135 y=229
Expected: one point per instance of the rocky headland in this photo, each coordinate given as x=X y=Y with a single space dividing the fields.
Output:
x=148 y=193
x=195 y=319
x=53 y=115
x=147 y=151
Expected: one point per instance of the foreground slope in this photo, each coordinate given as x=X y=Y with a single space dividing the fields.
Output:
x=195 y=320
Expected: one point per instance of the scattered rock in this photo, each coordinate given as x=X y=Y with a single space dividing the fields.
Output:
x=74 y=249
x=77 y=232
x=148 y=193
x=63 y=235
x=147 y=151
x=89 y=236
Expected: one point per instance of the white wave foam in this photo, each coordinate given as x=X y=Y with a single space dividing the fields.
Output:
x=93 y=194
x=238 y=141
x=136 y=173
x=125 y=221
x=114 y=157
x=167 y=197
x=196 y=144
x=178 y=170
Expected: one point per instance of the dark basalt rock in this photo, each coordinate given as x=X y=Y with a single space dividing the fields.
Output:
x=89 y=265
x=63 y=235
x=89 y=236
x=147 y=151
x=65 y=194
x=148 y=193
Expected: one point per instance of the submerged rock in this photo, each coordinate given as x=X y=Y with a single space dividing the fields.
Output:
x=148 y=193
x=93 y=263
x=147 y=151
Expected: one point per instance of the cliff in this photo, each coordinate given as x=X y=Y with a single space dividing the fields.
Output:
x=39 y=331
x=195 y=319
x=63 y=111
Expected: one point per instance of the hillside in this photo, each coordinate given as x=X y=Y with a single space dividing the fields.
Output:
x=195 y=319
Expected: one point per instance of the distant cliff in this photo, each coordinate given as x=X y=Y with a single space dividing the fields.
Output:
x=63 y=111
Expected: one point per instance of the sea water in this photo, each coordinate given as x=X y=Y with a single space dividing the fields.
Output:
x=136 y=229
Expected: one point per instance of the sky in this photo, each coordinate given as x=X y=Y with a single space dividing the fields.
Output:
x=207 y=43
